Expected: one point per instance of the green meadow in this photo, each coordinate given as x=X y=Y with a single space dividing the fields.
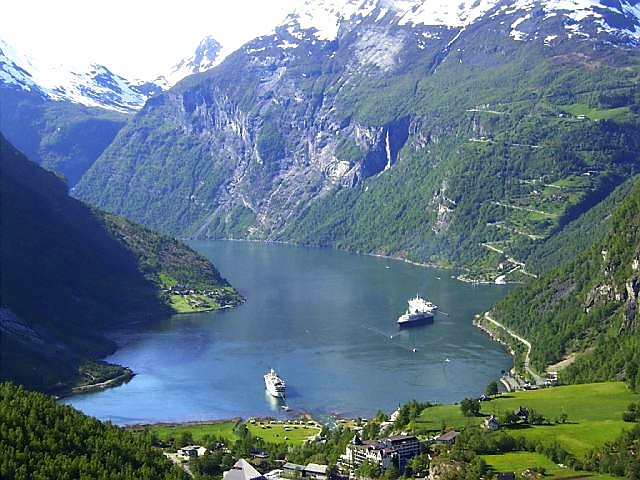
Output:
x=222 y=429
x=593 y=414
x=278 y=432
x=518 y=462
x=290 y=433
x=581 y=109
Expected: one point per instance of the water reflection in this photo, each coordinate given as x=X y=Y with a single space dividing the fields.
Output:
x=326 y=321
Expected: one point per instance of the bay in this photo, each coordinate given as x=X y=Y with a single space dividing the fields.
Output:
x=325 y=320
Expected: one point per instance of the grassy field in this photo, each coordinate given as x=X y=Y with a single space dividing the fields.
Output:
x=518 y=462
x=198 y=431
x=594 y=414
x=181 y=303
x=581 y=109
x=290 y=433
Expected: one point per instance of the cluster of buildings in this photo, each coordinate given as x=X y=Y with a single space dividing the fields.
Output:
x=397 y=449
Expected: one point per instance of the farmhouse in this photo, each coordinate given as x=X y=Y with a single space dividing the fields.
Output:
x=491 y=423
x=448 y=438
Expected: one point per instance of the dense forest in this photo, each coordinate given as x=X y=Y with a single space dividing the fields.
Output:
x=41 y=439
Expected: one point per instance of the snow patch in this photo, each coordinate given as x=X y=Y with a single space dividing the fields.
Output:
x=442 y=12
x=381 y=15
x=286 y=45
x=550 y=38
x=325 y=17
x=517 y=34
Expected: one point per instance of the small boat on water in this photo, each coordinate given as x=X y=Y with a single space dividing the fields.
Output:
x=420 y=312
x=275 y=384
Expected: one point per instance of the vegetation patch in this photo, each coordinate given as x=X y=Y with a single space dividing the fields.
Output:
x=294 y=433
x=596 y=114
x=189 y=433
x=521 y=462
x=577 y=417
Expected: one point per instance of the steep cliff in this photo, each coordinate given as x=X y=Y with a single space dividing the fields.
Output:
x=397 y=128
x=70 y=274
x=586 y=309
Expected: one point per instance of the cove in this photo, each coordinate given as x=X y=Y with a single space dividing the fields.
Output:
x=325 y=320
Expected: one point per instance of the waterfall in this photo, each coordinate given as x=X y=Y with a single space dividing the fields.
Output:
x=388 y=148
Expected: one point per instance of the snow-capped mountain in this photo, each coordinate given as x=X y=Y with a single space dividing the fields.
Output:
x=347 y=94
x=324 y=19
x=208 y=54
x=93 y=85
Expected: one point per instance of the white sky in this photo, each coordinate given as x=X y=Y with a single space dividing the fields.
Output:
x=134 y=38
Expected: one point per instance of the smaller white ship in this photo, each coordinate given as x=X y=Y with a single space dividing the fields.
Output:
x=420 y=312
x=275 y=385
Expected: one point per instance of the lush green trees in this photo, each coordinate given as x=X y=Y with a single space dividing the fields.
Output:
x=584 y=306
x=492 y=389
x=41 y=439
x=408 y=412
x=470 y=407
x=369 y=469
x=620 y=458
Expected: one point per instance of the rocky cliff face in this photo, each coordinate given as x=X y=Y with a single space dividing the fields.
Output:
x=336 y=132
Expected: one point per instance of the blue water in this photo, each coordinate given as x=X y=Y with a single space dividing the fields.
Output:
x=325 y=320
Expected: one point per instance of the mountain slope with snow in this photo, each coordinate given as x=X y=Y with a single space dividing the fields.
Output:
x=312 y=132
x=93 y=85
x=325 y=18
x=207 y=55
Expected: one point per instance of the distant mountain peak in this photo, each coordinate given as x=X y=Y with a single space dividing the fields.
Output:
x=93 y=85
x=208 y=54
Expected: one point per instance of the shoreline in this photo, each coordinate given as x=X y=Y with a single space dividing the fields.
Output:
x=397 y=258
x=125 y=376
x=217 y=421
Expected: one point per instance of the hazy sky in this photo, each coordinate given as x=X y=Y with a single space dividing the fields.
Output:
x=135 y=38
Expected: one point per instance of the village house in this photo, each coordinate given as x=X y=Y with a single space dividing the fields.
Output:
x=491 y=423
x=522 y=413
x=316 y=471
x=448 y=438
x=191 y=451
x=259 y=453
x=293 y=470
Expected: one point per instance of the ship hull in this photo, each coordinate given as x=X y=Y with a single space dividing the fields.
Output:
x=274 y=393
x=274 y=384
x=416 y=322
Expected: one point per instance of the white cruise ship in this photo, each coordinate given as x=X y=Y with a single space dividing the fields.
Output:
x=275 y=385
x=420 y=312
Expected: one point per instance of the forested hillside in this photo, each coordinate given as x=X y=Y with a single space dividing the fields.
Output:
x=587 y=306
x=41 y=439
x=456 y=146
x=61 y=136
x=68 y=274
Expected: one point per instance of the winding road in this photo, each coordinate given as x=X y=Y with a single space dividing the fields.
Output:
x=537 y=378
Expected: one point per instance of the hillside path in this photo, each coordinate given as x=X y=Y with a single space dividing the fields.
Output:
x=537 y=378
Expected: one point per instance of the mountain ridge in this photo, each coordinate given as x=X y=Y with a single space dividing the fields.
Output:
x=297 y=138
x=70 y=273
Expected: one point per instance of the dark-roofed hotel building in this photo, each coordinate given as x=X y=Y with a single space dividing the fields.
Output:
x=407 y=447
x=399 y=449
